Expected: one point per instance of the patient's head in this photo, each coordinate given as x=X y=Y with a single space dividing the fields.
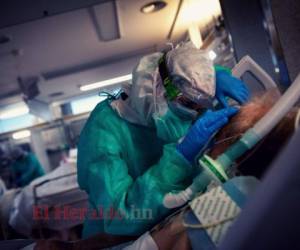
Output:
x=257 y=160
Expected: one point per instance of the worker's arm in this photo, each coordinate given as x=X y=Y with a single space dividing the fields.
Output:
x=111 y=187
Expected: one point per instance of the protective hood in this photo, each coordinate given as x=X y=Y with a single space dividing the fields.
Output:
x=192 y=72
x=189 y=68
x=140 y=106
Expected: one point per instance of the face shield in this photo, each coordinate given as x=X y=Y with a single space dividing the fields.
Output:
x=189 y=80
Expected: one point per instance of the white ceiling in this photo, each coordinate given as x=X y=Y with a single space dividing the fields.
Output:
x=65 y=50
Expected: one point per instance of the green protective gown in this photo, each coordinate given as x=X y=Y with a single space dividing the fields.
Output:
x=126 y=169
x=27 y=169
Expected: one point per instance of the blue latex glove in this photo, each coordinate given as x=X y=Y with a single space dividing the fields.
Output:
x=229 y=86
x=202 y=130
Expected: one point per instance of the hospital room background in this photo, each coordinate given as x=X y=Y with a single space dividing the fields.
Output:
x=59 y=59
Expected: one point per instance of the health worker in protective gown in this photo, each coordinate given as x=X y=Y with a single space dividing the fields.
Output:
x=135 y=149
x=26 y=167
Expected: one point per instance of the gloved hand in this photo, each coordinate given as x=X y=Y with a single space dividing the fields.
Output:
x=227 y=85
x=202 y=130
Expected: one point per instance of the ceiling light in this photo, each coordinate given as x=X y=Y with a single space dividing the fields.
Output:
x=195 y=35
x=212 y=55
x=21 y=134
x=104 y=83
x=200 y=11
x=15 y=111
x=153 y=7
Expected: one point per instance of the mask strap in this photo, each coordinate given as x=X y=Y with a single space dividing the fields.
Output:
x=171 y=90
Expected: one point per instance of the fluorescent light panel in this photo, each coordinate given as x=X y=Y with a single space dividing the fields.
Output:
x=14 y=112
x=21 y=134
x=105 y=82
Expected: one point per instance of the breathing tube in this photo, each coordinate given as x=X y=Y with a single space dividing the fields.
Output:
x=215 y=170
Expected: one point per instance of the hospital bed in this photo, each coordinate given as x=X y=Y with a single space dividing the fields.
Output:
x=42 y=204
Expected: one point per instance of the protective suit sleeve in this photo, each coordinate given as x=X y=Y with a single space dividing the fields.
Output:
x=33 y=170
x=130 y=207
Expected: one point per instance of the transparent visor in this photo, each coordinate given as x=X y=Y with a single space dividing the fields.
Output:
x=194 y=99
x=188 y=104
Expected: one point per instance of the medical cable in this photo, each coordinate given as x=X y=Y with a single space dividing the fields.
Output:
x=120 y=94
x=208 y=225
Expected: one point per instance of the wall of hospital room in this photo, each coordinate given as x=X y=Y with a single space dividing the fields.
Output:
x=244 y=21
x=286 y=16
x=268 y=31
